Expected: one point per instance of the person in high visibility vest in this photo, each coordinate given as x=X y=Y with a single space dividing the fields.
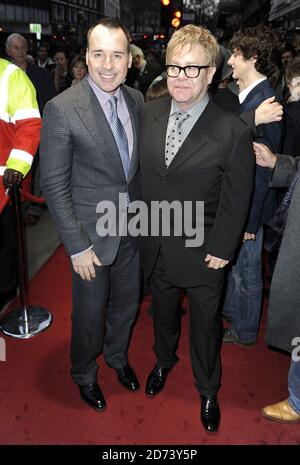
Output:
x=20 y=124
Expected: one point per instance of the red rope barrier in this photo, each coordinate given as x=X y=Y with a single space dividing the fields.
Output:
x=5 y=199
x=33 y=198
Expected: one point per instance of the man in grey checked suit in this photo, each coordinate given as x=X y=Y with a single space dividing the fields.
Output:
x=82 y=163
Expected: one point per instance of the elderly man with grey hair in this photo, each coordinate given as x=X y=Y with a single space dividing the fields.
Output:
x=17 y=48
x=142 y=72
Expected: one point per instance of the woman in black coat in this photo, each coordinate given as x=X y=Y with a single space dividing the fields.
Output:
x=283 y=325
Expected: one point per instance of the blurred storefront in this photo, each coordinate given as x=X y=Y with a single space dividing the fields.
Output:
x=285 y=16
x=233 y=14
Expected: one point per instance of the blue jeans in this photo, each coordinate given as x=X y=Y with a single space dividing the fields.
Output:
x=294 y=386
x=244 y=290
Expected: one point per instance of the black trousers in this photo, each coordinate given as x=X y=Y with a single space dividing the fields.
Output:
x=104 y=310
x=8 y=252
x=205 y=324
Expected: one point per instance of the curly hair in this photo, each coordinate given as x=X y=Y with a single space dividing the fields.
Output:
x=256 y=42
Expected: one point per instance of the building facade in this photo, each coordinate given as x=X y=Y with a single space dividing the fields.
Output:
x=233 y=14
x=63 y=21
x=285 y=16
x=127 y=16
x=70 y=20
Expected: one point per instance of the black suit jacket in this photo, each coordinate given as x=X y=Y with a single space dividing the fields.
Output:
x=264 y=199
x=215 y=164
x=43 y=83
x=291 y=145
x=151 y=71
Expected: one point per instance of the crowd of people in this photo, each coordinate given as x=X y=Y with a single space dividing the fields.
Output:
x=210 y=131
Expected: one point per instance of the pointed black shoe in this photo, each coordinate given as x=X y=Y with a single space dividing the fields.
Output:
x=128 y=379
x=210 y=413
x=156 y=380
x=92 y=395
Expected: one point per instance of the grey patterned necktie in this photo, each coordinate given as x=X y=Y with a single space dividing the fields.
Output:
x=174 y=138
x=120 y=135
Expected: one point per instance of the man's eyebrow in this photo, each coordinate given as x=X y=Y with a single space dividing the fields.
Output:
x=115 y=51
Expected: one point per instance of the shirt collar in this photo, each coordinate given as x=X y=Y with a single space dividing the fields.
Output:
x=245 y=92
x=102 y=96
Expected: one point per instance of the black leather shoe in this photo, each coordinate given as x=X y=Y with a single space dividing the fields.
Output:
x=156 y=380
x=210 y=413
x=127 y=378
x=92 y=395
x=230 y=338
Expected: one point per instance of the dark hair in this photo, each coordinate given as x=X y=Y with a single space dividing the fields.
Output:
x=61 y=50
x=288 y=48
x=157 y=90
x=110 y=23
x=44 y=45
x=78 y=59
x=255 y=42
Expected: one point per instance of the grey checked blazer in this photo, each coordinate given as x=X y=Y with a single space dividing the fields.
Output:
x=81 y=166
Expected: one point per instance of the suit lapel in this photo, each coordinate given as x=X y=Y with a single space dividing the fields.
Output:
x=134 y=124
x=196 y=139
x=158 y=136
x=90 y=112
x=262 y=85
x=253 y=99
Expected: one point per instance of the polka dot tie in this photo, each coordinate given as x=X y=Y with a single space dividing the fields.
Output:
x=175 y=137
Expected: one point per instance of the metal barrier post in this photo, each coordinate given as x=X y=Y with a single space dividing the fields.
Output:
x=29 y=320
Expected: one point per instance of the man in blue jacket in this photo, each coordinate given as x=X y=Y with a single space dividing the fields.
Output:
x=250 y=61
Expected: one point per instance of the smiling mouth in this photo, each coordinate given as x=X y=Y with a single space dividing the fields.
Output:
x=105 y=76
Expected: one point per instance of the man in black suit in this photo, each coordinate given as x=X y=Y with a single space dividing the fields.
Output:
x=43 y=60
x=215 y=165
x=89 y=154
x=142 y=73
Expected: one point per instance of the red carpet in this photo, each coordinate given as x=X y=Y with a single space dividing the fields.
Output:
x=39 y=403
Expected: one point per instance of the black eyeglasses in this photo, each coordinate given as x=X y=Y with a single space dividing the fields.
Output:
x=191 y=71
